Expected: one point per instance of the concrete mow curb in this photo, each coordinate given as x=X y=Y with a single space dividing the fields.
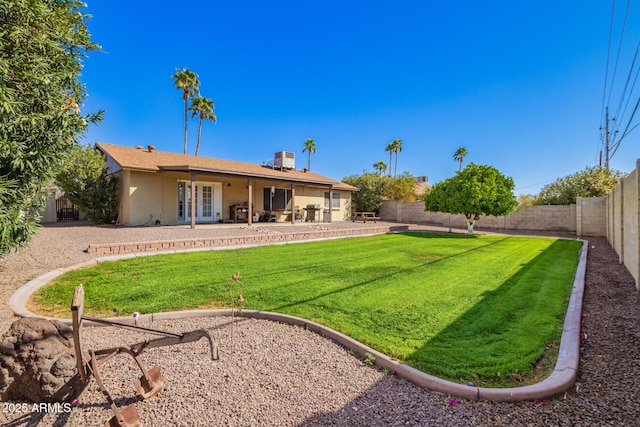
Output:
x=560 y=380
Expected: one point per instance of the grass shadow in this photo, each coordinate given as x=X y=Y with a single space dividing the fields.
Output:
x=431 y=260
x=523 y=316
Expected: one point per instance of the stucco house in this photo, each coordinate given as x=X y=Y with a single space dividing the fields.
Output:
x=155 y=188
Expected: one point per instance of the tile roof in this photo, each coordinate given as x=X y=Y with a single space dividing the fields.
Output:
x=140 y=159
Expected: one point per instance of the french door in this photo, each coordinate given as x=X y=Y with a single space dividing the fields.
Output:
x=208 y=201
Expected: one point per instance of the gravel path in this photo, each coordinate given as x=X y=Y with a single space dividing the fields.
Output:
x=278 y=375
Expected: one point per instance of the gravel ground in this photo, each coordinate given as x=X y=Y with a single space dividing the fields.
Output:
x=63 y=244
x=279 y=375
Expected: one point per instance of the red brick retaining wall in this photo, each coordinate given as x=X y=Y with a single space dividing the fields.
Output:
x=212 y=242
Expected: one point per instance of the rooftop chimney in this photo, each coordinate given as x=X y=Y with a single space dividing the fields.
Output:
x=152 y=148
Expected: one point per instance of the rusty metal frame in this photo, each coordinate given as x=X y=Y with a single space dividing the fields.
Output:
x=151 y=381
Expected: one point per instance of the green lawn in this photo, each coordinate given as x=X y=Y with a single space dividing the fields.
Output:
x=462 y=308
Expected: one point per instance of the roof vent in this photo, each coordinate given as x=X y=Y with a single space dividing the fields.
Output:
x=284 y=160
x=151 y=148
x=139 y=147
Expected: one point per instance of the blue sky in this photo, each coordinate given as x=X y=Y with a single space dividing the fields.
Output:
x=519 y=84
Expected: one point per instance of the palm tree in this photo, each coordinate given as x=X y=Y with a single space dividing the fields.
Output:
x=397 y=147
x=189 y=83
x=309 y=146
x=459 y=155
x=390 y=148
x=203 y=108
x=380 y=166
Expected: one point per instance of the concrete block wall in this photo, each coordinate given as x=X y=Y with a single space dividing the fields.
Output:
x=591 y=216
x=555 y=218
x=614 y=219
x=552 y=218
x=630 y=225
x=48 y=213
x=623 y=221
x=391 y=210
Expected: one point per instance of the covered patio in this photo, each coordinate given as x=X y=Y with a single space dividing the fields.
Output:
x=156 y=188
x=278 y=201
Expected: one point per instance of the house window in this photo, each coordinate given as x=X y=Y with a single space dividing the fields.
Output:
x=336 y=200
x=279 y=199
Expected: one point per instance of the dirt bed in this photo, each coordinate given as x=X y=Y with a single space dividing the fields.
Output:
x=279 y=375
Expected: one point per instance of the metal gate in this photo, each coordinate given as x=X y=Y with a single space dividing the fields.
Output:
x=65 y=210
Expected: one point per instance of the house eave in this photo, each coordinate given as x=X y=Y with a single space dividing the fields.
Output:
x=226 y=172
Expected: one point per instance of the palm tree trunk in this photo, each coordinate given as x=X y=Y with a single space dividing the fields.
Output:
x=390 y=159
x=199 y=133
x=185 y=126
x=395 y=168
x=309 y=161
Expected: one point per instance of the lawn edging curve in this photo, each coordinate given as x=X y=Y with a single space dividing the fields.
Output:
x=560 y=380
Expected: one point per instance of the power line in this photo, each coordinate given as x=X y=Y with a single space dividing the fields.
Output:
x=627 y=131
x=626 y=84
x=616 y=141
x=606 y=78
x=606 y=72
x=615 y=68
x=612 y=137
x=533 y=185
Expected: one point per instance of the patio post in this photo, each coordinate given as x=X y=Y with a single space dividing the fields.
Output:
x=193 y=200
x=293 y=204
x=330 y=203
x=250 y=202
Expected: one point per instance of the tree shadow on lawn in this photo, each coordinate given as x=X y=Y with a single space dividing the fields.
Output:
x=395 y=401
x=391 y=274
x=505 y=317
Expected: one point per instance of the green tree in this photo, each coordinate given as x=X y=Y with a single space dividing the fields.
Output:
x=402 y=188
x=473 y=191
x=87 y=183
x=459 y=155
x=203 y=108
x=42 y=47
x=372 y=188
x=310 y=147
x=380 y=167
x=526 y=200
x=591 y=182
x=188 y=82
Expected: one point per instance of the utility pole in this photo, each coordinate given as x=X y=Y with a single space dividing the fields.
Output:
x=606 y=136
x=600 y=164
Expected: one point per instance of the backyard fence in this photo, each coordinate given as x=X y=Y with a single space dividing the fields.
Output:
x=546 y=218
x=622 y=222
